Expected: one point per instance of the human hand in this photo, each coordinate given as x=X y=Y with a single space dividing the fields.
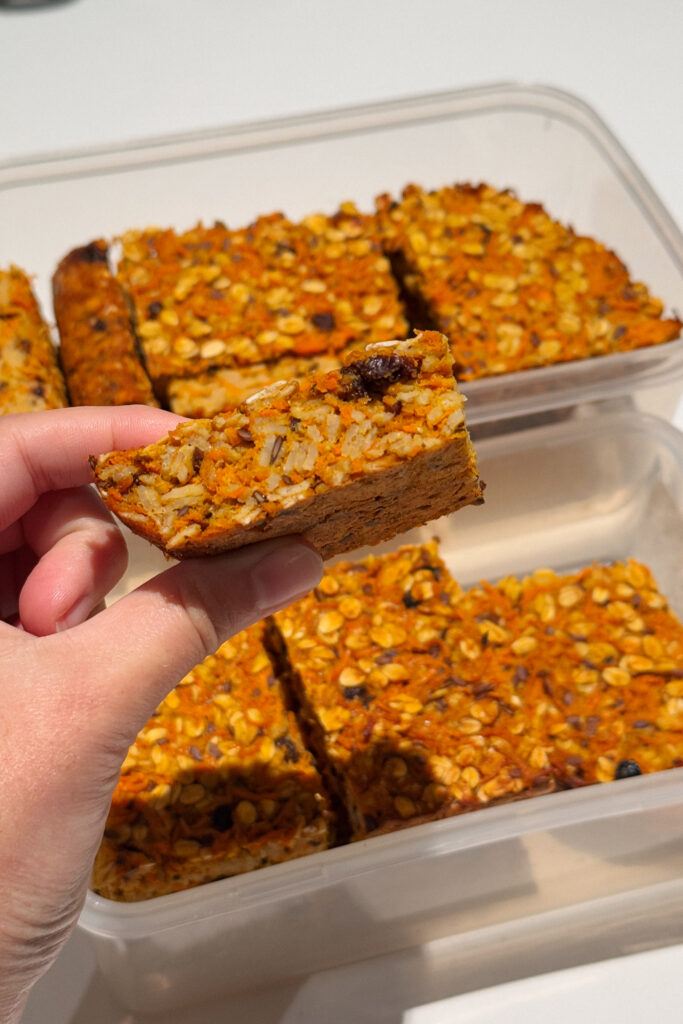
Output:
x=74 y=689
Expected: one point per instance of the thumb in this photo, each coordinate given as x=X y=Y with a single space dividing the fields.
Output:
x=126 y=659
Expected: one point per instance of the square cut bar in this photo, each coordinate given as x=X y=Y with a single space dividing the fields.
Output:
x=422 y=700
x=511 y=287
x=99 y=352
x=597 y=660
x=30 y=377
x=408 y=727
x=217 y=297
x=346 y=458
x=216 y=391
x=216 y=784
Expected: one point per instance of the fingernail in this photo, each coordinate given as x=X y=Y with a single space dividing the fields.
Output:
x=285 y=574
x=79 y=613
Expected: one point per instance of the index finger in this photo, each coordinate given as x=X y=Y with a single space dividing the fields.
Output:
x=48 y=451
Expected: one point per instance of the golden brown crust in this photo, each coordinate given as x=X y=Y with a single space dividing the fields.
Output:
x=99 y=352
x=509 y=286
x=332 y=457
x=30 y=378
x=217 y=783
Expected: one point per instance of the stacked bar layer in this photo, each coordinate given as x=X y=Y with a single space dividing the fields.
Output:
x=30 y=378
x=422 y=701
x=346 y=458
x=216 y=784
x=98 y=349
x=216 y=297
x=511 y=287
x=211 y=393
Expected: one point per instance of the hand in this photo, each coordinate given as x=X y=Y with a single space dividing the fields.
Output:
x=75 y=688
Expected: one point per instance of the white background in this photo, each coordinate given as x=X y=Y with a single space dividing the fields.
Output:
x=95 y=71
x=91 y=72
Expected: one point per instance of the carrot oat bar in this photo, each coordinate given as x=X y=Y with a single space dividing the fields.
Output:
x=216 y=297
x=30 y=378
x=218 y=390
x=346 y=458
x=99 y=352
x=598 y=662
x=408 y=727
x=595 y=661
x=422 y=700
x=509 y=286
x=216 y=784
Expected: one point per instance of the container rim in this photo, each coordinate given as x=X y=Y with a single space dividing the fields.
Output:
x=617 y=422
x=238 y=893
x=239 y=137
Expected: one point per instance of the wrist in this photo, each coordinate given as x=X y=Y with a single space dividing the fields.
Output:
x=14 y=991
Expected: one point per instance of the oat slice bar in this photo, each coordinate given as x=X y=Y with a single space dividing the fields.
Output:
x=219 y=390
x=30 y=378
x=400 y=702
x=511 y=287
x=598 y=663
x=346 y=458
x=216 y=784
x=214 y=297
x=99 y=352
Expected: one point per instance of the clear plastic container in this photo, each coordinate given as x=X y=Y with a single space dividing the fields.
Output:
x=545 y=144
x=591 y=486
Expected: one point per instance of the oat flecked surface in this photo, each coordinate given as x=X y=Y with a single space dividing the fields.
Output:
x=213 y=296
x=347 y=458
x=510 y=286
x=217 y=783
x=424 y=701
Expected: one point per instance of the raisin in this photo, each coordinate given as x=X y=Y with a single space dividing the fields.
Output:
x=221 y=818
x=92 y=253
x=627 y=769
x=372 y=377
x=289 y=747
x=324 y=321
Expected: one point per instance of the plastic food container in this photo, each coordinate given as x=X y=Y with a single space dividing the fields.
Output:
x=545 y=144
x=592 y=485
x=589 y=487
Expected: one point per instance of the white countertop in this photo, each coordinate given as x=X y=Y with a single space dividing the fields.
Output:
x=93 y=72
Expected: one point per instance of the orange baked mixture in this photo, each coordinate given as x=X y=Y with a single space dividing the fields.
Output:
x=217 y=783
x=215 y=391
x=407 y=727
x=404 y=698
x=98 y=348
x=423 y=701
x=30 y=378
x=598 y=663
x=218 y=297
x=511 y=287
x=349 y=457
